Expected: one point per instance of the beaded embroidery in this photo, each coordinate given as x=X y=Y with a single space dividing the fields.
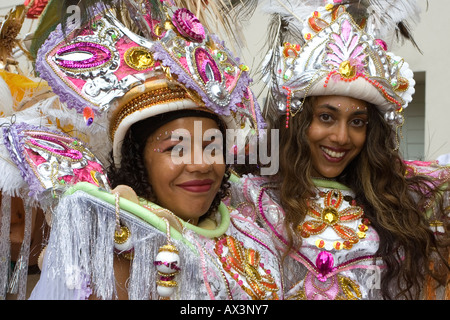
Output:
x=331 y=215
x=242 y=263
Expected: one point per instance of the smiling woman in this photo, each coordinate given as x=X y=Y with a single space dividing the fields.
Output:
x=152 y=143
x=353 y=218
x=178 y=184
x=337 y=133
x=161 y=229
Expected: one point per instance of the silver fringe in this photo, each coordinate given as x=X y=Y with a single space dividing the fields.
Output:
x=18 y=281
x=5 y=245
x=81 y=246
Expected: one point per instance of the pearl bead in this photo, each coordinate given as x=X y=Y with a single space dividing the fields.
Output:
x=122 y=240
x=166 y=262
x=165 y=292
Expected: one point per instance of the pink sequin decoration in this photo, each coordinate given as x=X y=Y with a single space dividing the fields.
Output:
x=188 y=25
x=63 y=151
x=206 y=66
x=171 y=265
x=100 y=55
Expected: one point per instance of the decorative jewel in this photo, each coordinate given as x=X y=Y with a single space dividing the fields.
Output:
x=347 y=70
x=291 y=50
x=324 y=263
x=288 y=104
x=331 y=216
x=206 y=66
x=240 y=262
x=88 y=116
x=337 y=11
x=122 y=235
x=382 y=44
x=218 y=93
x=244 y=68
x=316 y=23
x=402 y=84
x=349 y=288
x=188 y=25
x=326 y=285
x=167 y=263
x=139 y=58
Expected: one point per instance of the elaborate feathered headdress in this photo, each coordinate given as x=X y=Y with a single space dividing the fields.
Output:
x=335 y=47
x=175 y=63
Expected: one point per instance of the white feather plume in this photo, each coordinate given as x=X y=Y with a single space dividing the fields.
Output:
x=296 y=12
x=383 y=15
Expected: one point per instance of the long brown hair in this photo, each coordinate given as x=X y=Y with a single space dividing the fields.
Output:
x=394 y=203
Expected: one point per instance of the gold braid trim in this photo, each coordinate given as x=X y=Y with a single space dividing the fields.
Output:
x=147 y=100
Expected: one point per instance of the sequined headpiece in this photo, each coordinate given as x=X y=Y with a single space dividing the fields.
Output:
x=105 y=68
x=339 y=54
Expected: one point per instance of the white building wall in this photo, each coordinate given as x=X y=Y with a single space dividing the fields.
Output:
x=432 y=35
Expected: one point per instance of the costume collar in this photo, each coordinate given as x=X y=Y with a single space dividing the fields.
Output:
x=331 y=184
x=147 y=214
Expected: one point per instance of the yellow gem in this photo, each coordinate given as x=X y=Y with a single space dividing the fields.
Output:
x=243 y=67
x=363 y=228
x=93 y=176
x=329 y=7
x=347 y=70
x=350 y=288
x=330 y=216
x=361 y=235
x=168 y=25
x=320 y=243
x=337 y=245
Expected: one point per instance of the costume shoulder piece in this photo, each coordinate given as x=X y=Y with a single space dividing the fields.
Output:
x=75 y=269
x=51 y=160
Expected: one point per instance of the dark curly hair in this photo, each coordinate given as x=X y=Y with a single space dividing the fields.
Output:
x=132 y=171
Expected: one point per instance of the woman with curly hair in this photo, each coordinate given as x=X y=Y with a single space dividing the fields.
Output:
x=351 y=217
